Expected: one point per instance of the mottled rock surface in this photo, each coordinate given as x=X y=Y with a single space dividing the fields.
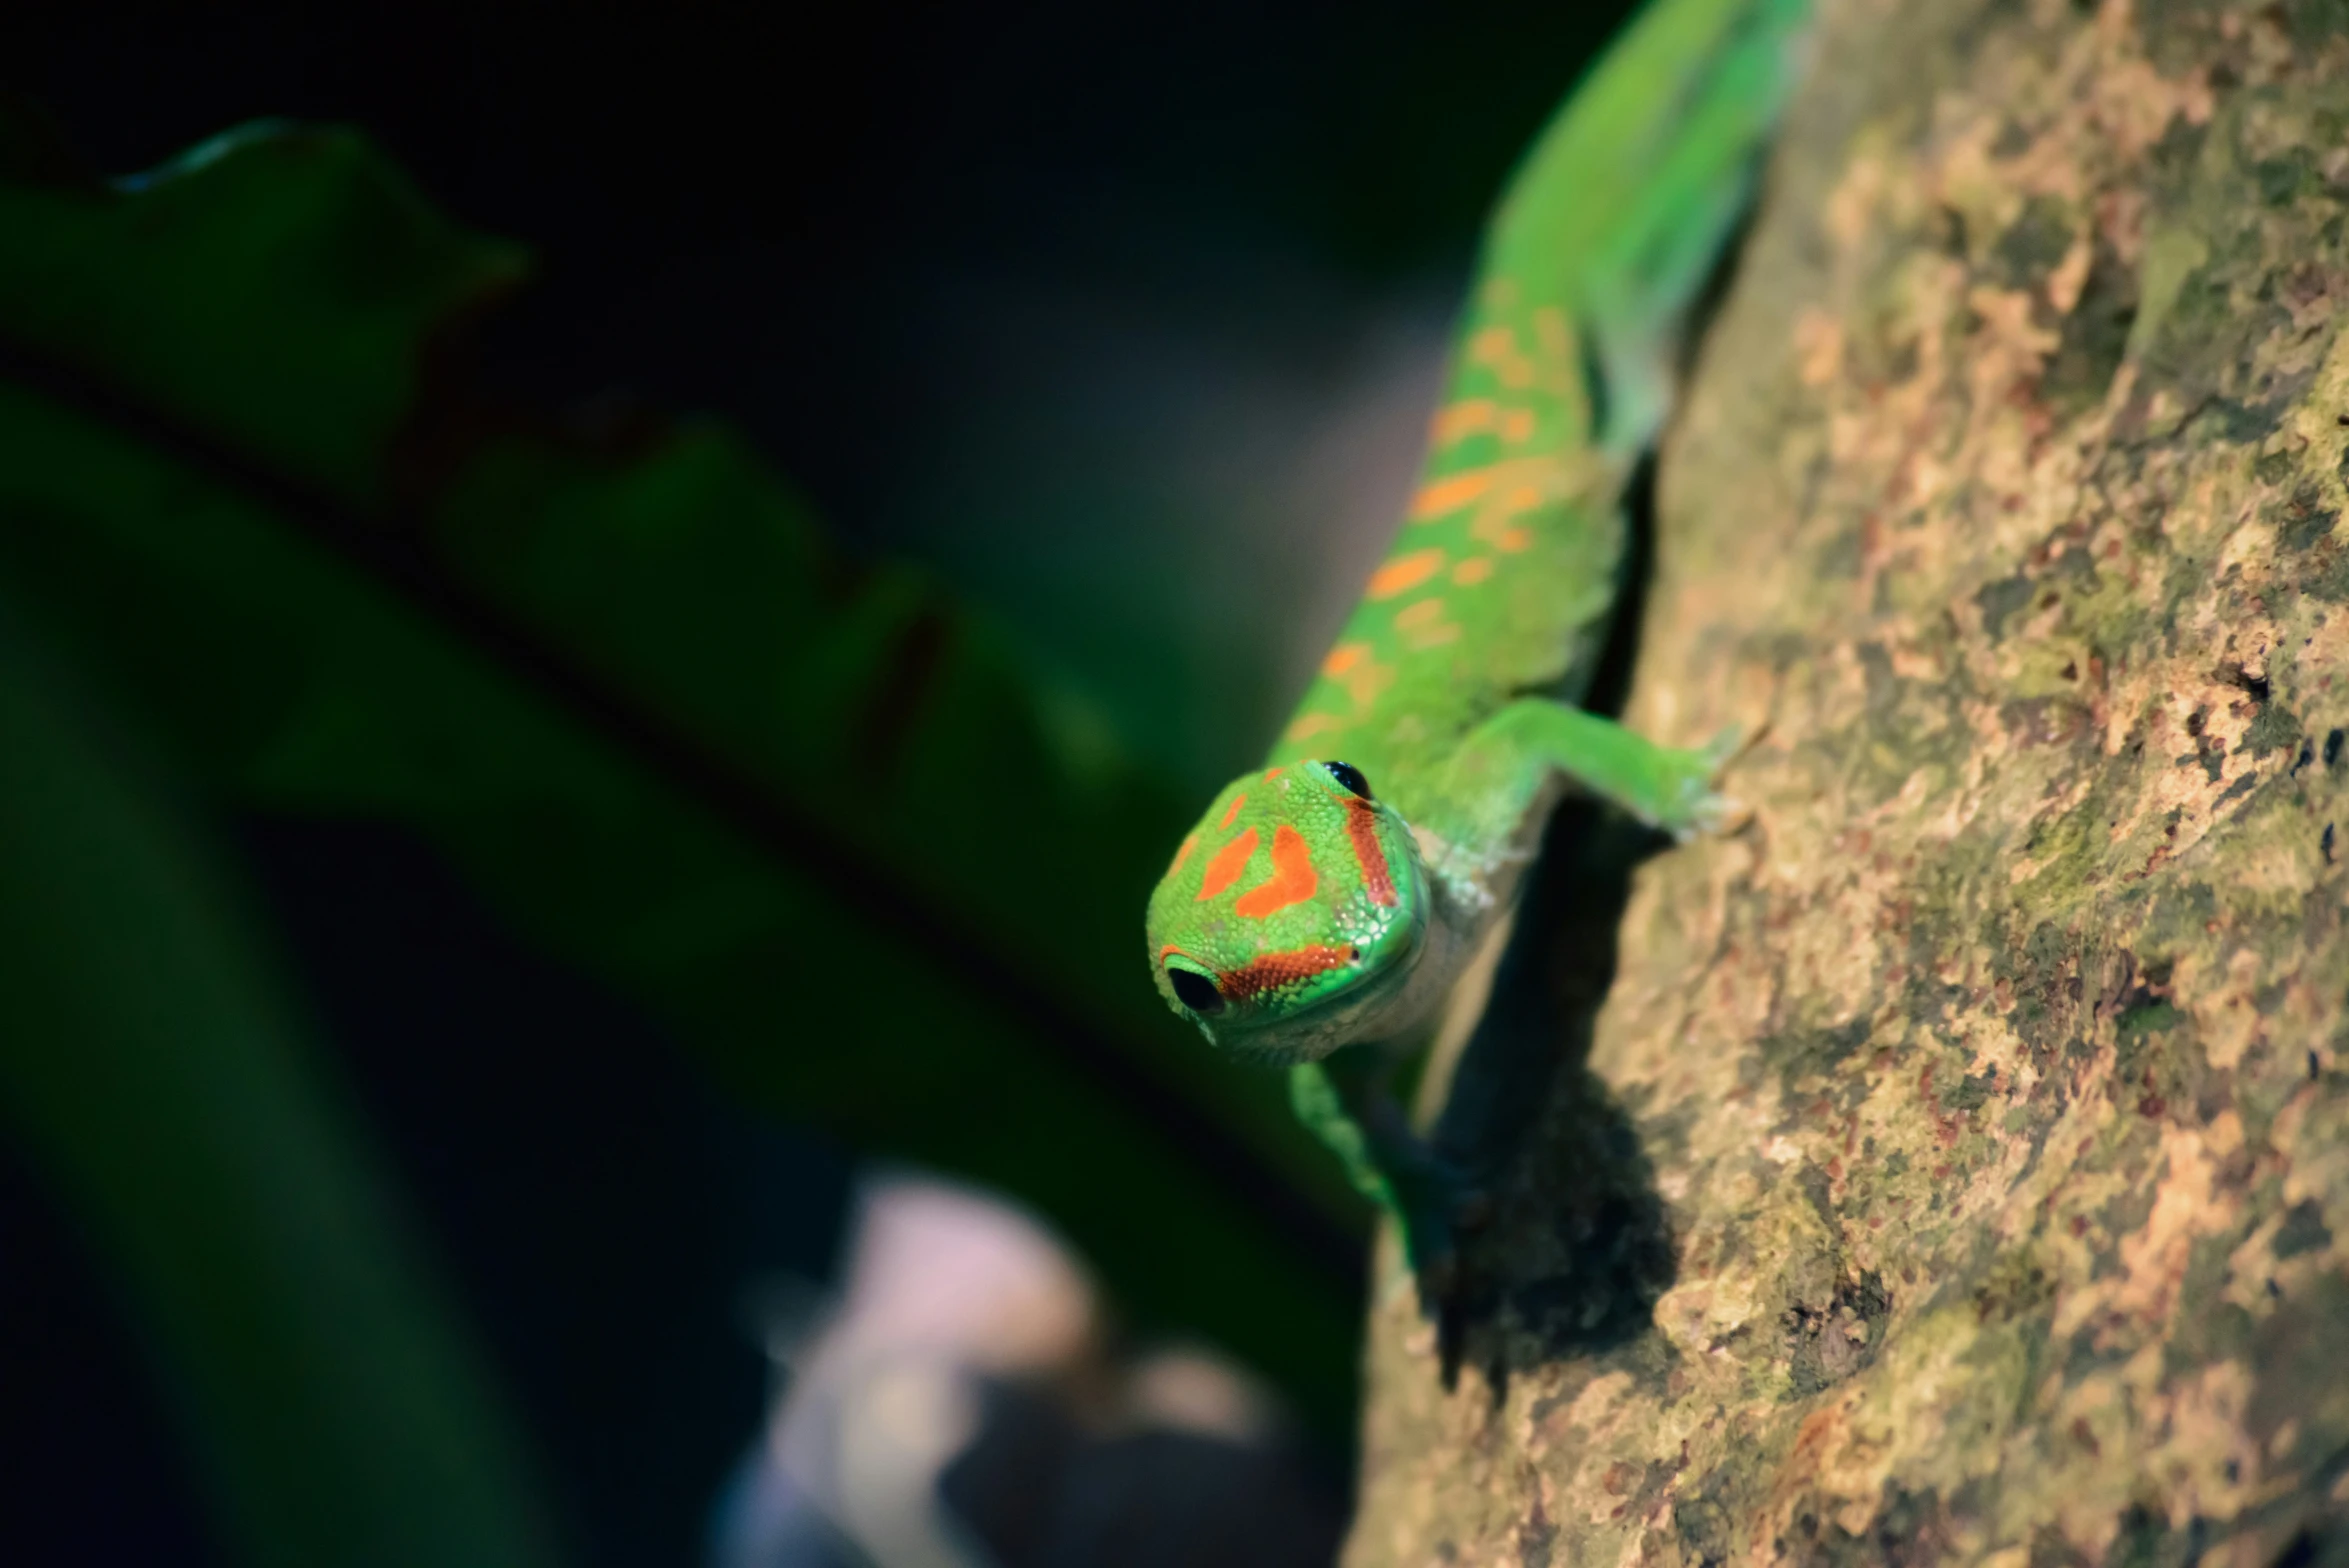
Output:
x=1958 y=1170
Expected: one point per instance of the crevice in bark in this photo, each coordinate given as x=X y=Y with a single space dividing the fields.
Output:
x=1579 y=1248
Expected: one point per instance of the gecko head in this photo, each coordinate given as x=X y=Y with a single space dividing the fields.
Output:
x=1292 y=914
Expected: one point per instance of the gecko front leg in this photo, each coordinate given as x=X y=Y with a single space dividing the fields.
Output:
x=1347 y=1101
x=1498 y=784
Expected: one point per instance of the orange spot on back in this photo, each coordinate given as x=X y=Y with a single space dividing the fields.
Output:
x=1439 y=497
x=1307 y=725
x=1522 y=499
x=1404 y=573
x=1190 y=842
x=1549 y=329
x=1366 y=682
x=1423 y=624
x=1231 y=812
x=1517 y=425
x=1343 y=658
x=1496 y=348
x=1463 y=419
x=1472 y=571
x=1492 y=346
x=1292 y=880
x=1420 y=613
x=1513 y=540
x=1227 y=865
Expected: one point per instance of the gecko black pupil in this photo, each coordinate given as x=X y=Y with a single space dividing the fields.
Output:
x=1349 y=777
x=1195 y=991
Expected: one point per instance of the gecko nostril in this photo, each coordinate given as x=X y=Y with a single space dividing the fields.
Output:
x=1194 y=990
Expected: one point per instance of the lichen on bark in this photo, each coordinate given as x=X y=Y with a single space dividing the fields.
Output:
x=1971 y=1126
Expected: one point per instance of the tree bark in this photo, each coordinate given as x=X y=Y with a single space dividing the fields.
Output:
x=1958 y=1168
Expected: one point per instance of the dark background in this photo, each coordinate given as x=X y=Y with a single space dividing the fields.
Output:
x=1125 y=318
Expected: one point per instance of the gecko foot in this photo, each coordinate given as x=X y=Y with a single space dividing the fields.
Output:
x=1443 y=1208
x=1707 y=811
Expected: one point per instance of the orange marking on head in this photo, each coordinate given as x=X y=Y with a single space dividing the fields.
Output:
x=1513 y=540
x=1515 y=374
x=1273 y=773
x=1275 y=970
x=1227 y=865
x=1462 y=419
x=1232 y=811
x=1439 y=497
x=1472 y=571
x=1343 y=658
x=1517 y=425
x=1292 y=880
x=1190 y=842
x=1404 y=573
x=1362 y=833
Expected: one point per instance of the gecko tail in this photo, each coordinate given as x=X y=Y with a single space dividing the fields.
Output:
x=1634 y=190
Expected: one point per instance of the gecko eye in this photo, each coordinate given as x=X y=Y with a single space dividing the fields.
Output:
x=1195 y=991
x=1349 y=778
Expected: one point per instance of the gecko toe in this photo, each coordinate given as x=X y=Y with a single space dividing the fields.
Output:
x=1713 y=816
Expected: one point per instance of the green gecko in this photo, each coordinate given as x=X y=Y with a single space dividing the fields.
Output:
x=1321 y=912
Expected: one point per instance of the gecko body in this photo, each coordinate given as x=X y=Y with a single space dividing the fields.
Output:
x=1324 y=907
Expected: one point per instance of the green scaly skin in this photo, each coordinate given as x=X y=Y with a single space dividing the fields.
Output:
x=1314 y=922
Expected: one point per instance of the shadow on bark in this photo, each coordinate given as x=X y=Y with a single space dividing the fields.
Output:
x=1579 y=1248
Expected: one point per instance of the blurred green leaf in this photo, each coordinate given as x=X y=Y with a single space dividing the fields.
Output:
x=148 y=1064
x=882 y=875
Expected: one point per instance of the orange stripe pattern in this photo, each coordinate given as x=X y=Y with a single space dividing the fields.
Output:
x=1227 y=865
x=1292 y=882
